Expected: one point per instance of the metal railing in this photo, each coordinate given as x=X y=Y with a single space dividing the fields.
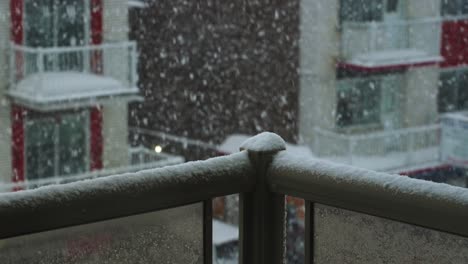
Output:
x=115 y=60
x=421 y=35
x=263 y=174
x=383 y=150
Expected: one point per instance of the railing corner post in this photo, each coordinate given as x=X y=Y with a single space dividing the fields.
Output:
x=262 y=212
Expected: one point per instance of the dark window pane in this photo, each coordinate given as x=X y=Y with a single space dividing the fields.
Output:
x=358 y=102
x=361 y=10
x=447 y=92
x=73 y=145
x=463 y=91
x=449 y=7
x=392 y=6
x=40 y=149
x=464 y=7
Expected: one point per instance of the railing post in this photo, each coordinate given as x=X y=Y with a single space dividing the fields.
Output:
x=40 y=67
x=410 y=149
x=373 y=37
x=351 y=148
x=262 y=213
x=208 y=231
x=13 y=66
x=134 y=65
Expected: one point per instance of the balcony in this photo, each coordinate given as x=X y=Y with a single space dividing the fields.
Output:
x=352 y=215
x=66 y=77
x=140 y=158
x=368 y=45
x=383 y=150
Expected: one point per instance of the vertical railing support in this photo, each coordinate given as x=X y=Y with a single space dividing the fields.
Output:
x=309 y=233
x=134 y=65
x=351 y=150
x=208 y=231
x=262 y=213
x=13 y=65
x=40 y=67
x=373 y=30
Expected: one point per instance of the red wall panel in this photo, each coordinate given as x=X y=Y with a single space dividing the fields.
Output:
x=16 y=14
x=454 y=46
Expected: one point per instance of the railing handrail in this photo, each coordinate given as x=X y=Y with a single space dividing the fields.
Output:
x=402 y=22
x=432 y=205
x=170 y=160
x=77 y=203
x=29 y=49
x=379 y=134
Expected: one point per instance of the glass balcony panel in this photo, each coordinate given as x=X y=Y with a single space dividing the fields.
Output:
x=226 y=229
x=295 y=230
x=167 y=236
x=401 y=42
x=342 y=236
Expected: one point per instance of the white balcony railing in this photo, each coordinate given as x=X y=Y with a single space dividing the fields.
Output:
x=351 y=215
x=140 y=158
x=64 y=73
x=396 y=42
x=384 y=150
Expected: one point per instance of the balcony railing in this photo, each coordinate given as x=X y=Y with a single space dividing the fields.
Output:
x=65 y=73
x=390 y=43
x=140 y=158
x=384 y=150
x=352 y=215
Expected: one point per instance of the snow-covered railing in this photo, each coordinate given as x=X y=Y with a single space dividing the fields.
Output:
x=420 y=39
x=115 y=60
x=422 y=216
x=383 y=150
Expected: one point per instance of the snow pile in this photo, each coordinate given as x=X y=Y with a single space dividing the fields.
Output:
x=233 y=143
x=264 y=142
x=224 y=233
x=60 y=86
x=394 y=57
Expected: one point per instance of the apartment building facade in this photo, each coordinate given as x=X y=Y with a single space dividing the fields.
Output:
x=387 y=67
x=67 y=75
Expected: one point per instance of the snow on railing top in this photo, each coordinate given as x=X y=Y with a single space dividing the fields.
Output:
x=265 y=142
x=434 y=205
x=87 y=201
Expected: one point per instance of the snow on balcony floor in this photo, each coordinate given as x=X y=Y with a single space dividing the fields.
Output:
x=224 y=233
x=394 y=57
x=67 y=86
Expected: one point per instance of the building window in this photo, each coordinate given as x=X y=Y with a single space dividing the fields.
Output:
x=454 y=7
x=55 y=23
x=392 y=6
x=370 y=101
x=453 y=91
x=358 y=102
x=56 y=145
x=361 y=10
